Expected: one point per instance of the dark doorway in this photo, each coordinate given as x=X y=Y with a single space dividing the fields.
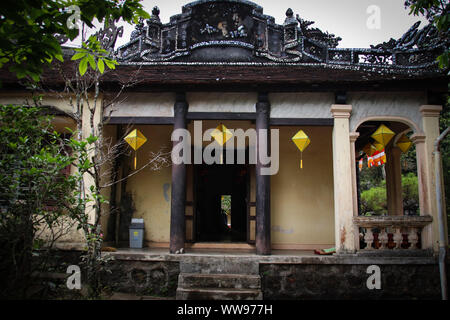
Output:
x=216 y=186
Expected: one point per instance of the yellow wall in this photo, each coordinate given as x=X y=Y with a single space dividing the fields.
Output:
x=301 y=200
x=302 y=208
x=49 y=99
x=150 y=190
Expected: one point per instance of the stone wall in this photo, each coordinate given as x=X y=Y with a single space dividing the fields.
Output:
x=348 y=281
x=153 y=278
x=282 y=277
x=285 y=277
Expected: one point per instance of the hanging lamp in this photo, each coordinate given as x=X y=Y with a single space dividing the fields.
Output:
x=135 y=139
x=302 y=141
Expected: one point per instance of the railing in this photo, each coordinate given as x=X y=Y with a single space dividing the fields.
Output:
x=391 y=232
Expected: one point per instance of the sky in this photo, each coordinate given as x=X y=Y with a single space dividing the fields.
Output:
x=359 y=23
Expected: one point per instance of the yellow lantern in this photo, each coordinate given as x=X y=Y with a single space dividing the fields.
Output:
x=383 y=135
x=301 y=140
x=135 y=139
x=404 y=143
x=369 y=149
x=221 y=134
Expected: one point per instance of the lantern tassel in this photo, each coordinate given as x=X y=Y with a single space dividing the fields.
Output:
x=135 y=160
x=301 y=160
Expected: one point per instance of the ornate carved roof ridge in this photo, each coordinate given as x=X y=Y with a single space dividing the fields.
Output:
x=237 y=31
x=197 y=2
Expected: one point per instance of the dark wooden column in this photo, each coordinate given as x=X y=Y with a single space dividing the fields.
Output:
x=263 y=245
x=178 y=201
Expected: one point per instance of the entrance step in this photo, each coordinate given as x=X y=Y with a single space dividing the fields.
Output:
x=219 y=265
x=222 y=281
x=218 y=287
x=218 y=294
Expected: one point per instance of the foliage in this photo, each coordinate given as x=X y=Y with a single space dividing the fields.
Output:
x=410 y=194
x=30 y=31
x=370 y=177
x=42 y=22
x=438 y=13
x=33 y=192
x=374 y=200
x=35 y=195
x=226 y=204
x=444 y=122
x=92 y=53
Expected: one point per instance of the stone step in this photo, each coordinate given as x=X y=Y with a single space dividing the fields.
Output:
x=219 y=265
x=219 y=281
x=218 y=294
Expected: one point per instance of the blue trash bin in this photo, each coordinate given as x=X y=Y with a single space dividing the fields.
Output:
x=137 y=233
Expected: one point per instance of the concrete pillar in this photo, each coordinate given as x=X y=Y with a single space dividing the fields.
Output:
x=263 y=243
x=178 y=200
x=394 y=181
x=345 y=231
x=426 y=176
x=353 y=137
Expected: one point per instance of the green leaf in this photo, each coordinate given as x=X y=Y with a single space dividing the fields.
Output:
x=91 y=61
x=92 y=39
x=36 y=77
x=81 y=49
x=101 y=65
x=83 y=66
x=59 y=57
x=79 y=55
x=91 y=139
x=111 y=63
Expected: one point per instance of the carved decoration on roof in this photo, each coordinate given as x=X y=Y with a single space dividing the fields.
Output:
x=316 y=34
x=237 y=31
x=155 y=15
x=425 y=38
x=138 y=31
x=108 y=36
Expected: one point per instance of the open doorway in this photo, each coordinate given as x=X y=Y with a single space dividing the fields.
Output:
x=387 y=184
x=221 y=202
x=387 y=178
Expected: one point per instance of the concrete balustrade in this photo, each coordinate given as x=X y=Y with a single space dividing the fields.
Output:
x=392 y=232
